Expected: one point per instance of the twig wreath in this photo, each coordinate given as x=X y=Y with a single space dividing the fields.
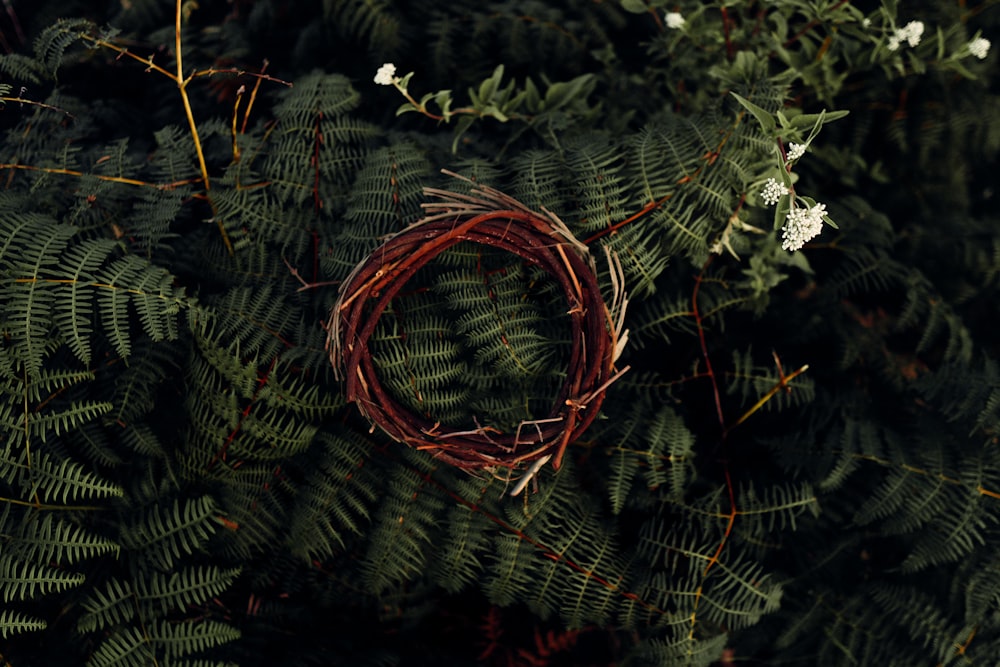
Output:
x=488 y=217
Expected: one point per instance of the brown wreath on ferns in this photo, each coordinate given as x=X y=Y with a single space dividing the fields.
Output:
x=488 y=217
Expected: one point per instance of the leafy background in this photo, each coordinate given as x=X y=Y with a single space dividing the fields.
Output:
x=801 y=467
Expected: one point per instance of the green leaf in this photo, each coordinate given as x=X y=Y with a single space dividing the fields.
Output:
x=635 y=6
x=765 y=119
x=488 y=88
x=564 y=93
x=24 y=580
x=14 y=622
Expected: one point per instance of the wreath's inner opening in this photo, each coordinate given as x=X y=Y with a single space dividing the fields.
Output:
x=477 y=338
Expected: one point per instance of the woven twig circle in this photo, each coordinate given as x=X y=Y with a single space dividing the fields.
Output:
x=489 y=218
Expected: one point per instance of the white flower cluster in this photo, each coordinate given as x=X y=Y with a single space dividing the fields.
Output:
x=385 y=74
x=910 y=33
x=979 y=47
x=674 y=20
x=802 y=225
x=773 y=191
x=795 y=151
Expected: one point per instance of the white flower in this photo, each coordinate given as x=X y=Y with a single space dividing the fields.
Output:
x=914 y=31
x=385 y=74
x=979 y=47
x=802 y=225
x=866 y=22
x=772 y=192
x=795 y=151
x=909 y=33
x=675 y=20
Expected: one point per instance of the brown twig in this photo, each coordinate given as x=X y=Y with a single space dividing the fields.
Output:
x=486 y=217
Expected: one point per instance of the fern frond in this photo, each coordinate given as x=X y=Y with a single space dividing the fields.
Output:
x=50 y=539
x=248 y=322
x=21 y=68
x=539 y=179
x=179 y=639
x=402 y=532
x=163 y=536
x=256 y=511
x=110 y=606
x=656 y=443
x=776 y=508
x=50 y=46
x=156 y=595
x=58 y=422
x=925 y=309
x=921 y=617
x=30 y=303
x=702 y=585
x=335 y=498
x=127 y=647
x=661 y=318
x=460 y=560
x=575 y=572
x=130 y=280
x=316 y=142
x=24 y=580
x=13 y=622
x=176 y=591
x=681 y=649
x=174 y=160
x=373 y=21
x=385 y=197
x=57 y=480
x=599 y=185
x=753 y=382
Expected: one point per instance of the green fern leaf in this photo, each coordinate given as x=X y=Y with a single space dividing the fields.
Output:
x=179 y=590
x=156 y=595
x=51 y=45
x=660 y=446
x=373 y=21
x=57 y=480
x=49 y=539
x=19 y=67
x=179 y=639
x=24 y=580
x=402 y=532
x=575 y=572
x=335 y=497
x=163 y=536
x=32 y=244
x=108 y=607
x=460 y=560
x=127 y=647
x=14 y=622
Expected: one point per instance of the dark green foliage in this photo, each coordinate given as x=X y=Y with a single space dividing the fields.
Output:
x=801 y=466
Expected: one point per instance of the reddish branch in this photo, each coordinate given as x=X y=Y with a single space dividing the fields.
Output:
x=489 y=218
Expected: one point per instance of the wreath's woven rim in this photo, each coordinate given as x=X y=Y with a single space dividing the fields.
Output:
x=486 y=217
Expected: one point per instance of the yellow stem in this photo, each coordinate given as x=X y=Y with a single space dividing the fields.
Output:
x=42 y=506
x=182 y=87
x=781 y=384
x=73 y=172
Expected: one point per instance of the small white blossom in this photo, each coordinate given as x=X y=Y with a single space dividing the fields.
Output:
x=385 y=74
x=802 y=225
x=909 y=33
x=866 y=22
x=795 y=151
x=773 y=191
x=675 y=20
x=979 y=47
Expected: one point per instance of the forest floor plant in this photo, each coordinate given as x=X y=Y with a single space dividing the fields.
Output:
x=801 y=465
